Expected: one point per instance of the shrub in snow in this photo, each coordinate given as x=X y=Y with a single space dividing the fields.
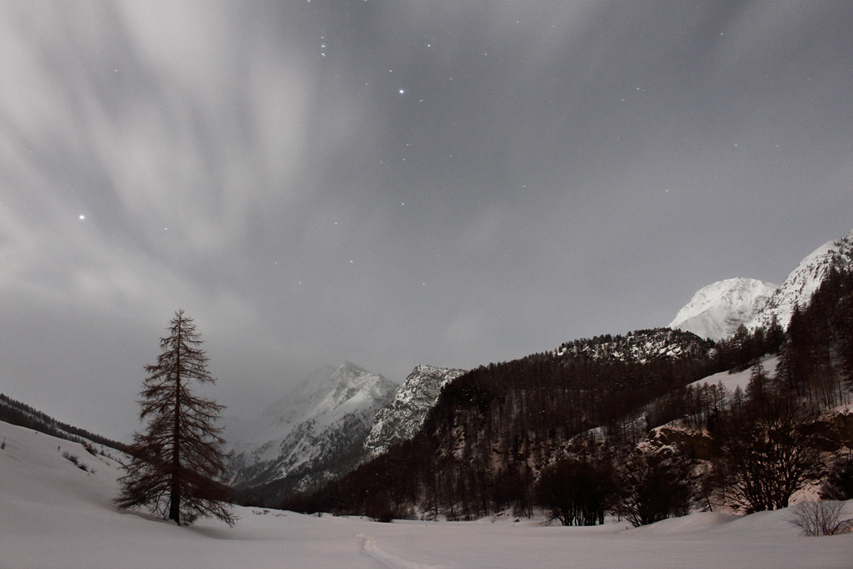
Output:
x=76 y=461
x=820 y=518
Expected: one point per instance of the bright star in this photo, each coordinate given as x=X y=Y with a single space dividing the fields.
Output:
x=82 y=217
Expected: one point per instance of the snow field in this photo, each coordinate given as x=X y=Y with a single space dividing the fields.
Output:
x=55 y=515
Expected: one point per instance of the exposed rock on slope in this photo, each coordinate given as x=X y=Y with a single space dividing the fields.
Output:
x=402 y=418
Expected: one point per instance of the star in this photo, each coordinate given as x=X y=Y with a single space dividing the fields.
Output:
x=82 y=217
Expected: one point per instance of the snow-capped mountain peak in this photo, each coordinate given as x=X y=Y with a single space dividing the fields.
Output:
x=717 y=310
x=803 y=281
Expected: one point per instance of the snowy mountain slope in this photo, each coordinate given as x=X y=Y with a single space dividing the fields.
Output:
x=717 y=310
x=325 y=417
x=54 y=515
x=803 y=281
x=402 y=418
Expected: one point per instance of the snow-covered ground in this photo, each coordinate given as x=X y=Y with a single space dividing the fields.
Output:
x=53 y=514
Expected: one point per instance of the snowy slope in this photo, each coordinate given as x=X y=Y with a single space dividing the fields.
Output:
x=732 y=381
x=326 y=416
x=54 y=515
x=403 y=417
x=717 y=310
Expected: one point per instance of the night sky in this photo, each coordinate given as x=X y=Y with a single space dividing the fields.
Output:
x=395 y=182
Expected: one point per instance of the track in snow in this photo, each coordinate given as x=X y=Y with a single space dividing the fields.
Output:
x=391 y=561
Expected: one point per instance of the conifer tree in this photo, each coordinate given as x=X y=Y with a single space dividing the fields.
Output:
x=176 y=462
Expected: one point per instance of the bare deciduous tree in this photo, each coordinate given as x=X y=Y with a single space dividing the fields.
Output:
x=767 y=452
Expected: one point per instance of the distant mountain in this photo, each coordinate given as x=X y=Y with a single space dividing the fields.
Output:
x=402 y=418
x=313 y=433
x=717 y=310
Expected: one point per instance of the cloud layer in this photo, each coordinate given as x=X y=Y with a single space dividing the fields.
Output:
x=395 y=183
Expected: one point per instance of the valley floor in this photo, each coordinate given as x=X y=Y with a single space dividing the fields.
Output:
x=53 y=514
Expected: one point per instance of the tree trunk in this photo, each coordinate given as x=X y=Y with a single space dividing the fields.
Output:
x=175 y=494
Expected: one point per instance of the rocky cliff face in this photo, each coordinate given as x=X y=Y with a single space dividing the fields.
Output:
x=402 y=418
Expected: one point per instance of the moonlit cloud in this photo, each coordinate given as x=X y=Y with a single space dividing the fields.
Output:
x=394 y=183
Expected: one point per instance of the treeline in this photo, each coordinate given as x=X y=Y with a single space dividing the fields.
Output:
x=17 y=413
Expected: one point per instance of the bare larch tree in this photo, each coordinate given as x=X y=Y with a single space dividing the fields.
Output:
x=176 y=463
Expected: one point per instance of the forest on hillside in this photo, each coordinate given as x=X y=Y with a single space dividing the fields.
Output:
x=17 y=413
x=580 y=431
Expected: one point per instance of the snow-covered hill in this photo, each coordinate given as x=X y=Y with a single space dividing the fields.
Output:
x=402 y=418
x=53 y=514
x=309 y=429
x=717 y=310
